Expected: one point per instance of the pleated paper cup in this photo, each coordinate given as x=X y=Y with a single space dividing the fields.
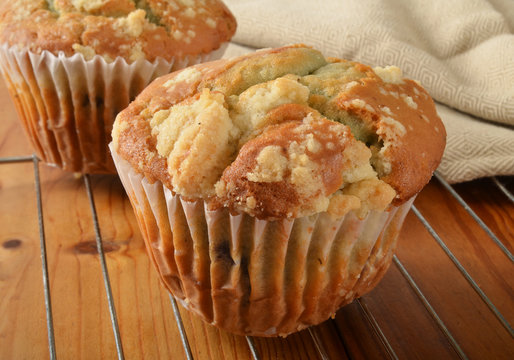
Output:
x=257 y=277
x=67 y=105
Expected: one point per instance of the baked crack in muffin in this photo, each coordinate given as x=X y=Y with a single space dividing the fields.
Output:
x=72 y=65
x=270 y=188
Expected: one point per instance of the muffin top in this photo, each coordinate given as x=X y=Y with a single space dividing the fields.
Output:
x=284 y=133
x=111 y=28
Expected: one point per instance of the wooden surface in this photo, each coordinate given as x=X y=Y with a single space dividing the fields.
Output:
x=147 y=325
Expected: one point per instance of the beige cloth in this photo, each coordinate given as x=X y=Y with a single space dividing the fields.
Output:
x=462 y=51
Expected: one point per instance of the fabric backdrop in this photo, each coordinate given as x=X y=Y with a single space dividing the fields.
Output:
x=462 y=51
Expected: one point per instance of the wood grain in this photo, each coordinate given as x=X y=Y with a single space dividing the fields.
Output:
x=147 y=325
x=22 y=310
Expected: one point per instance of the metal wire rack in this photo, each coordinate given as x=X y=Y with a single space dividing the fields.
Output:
x=368 y=315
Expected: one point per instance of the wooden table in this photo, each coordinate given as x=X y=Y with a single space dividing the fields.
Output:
x=442 y=317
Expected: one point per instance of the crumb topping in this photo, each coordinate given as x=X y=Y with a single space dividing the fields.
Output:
x=389 y=74
x=373 y=194
x=133 y=25
x=338 y=137
x=409 y=101
x=185 y=138
x=341 y=204
x=271 y=165
x=88 y=5
x=87 y=51
x=253 y=104
x=188 y=75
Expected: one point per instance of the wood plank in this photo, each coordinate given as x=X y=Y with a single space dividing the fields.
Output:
x=22 y=309
x=208 y=342
x=357 y=334
x=81 y=318
x=329 y=340
x=474 y=249
x=82 y=327
x=405 y=321
x=472 y=324
x=492 y=206
x=298 y=345
x=141 y=303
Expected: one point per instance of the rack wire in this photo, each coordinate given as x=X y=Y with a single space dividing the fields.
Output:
x=368 y=315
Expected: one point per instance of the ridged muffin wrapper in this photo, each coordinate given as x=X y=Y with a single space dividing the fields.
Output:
x=67 y=104
x=257 y=277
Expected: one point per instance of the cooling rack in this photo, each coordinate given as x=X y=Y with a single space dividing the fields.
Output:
x=320 y=344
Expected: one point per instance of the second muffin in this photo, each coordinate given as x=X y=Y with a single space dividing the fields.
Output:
x=72 y=65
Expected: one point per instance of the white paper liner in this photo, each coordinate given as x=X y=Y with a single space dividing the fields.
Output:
x=67 y=105
x=256 y=277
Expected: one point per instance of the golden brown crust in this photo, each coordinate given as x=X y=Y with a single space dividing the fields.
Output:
x=131 y=29
x=283 y=198
x=413 y=156
x=265 y=96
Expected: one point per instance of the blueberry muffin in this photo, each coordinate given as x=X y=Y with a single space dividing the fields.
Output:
x=271 y=188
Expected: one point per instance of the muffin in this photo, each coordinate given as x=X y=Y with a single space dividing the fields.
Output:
x=72 y=65
x=270 y=188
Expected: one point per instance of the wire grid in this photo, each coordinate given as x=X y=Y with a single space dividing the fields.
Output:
x=368 y=315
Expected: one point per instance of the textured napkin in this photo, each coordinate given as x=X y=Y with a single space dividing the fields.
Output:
x=462 y=51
